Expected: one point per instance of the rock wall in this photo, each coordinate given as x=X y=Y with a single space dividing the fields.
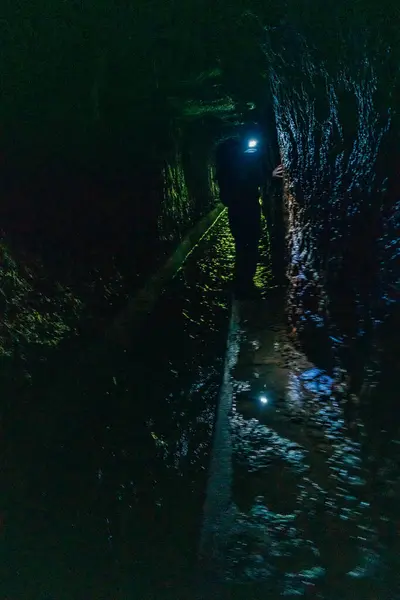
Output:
x=78 y=238
x=334 y=84
x=100 y=180
x=189 y=189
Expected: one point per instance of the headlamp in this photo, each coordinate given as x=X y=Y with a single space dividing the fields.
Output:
x=252 y=145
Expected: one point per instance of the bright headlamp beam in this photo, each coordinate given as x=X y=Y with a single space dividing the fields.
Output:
x=252 y=143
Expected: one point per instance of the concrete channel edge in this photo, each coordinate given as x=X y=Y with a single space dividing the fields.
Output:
x=218 y=510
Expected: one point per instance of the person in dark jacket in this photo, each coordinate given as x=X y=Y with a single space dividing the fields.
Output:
x=240 y=175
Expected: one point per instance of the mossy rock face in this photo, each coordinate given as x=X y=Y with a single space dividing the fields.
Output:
x=33 y=314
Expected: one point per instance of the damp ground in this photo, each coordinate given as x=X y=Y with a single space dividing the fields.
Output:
x=313 y=510
x=108 y=458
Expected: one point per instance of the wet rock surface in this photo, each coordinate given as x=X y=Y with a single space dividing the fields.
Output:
x=311 y=516
x=338 y=140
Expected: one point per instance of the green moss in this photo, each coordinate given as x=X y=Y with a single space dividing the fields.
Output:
x=200 y=108
x=31 y=316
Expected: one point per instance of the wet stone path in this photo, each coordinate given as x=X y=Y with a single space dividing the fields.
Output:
x=307 y=515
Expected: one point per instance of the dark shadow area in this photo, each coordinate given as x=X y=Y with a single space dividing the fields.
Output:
x=120 y=450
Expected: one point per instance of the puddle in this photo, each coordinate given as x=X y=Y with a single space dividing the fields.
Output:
x=309 y=518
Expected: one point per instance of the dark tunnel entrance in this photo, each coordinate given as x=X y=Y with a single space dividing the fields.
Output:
x=146 y=411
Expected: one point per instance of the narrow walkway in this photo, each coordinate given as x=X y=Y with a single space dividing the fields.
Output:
x=292 y=507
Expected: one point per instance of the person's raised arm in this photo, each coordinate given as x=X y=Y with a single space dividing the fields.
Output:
x=278 y=172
